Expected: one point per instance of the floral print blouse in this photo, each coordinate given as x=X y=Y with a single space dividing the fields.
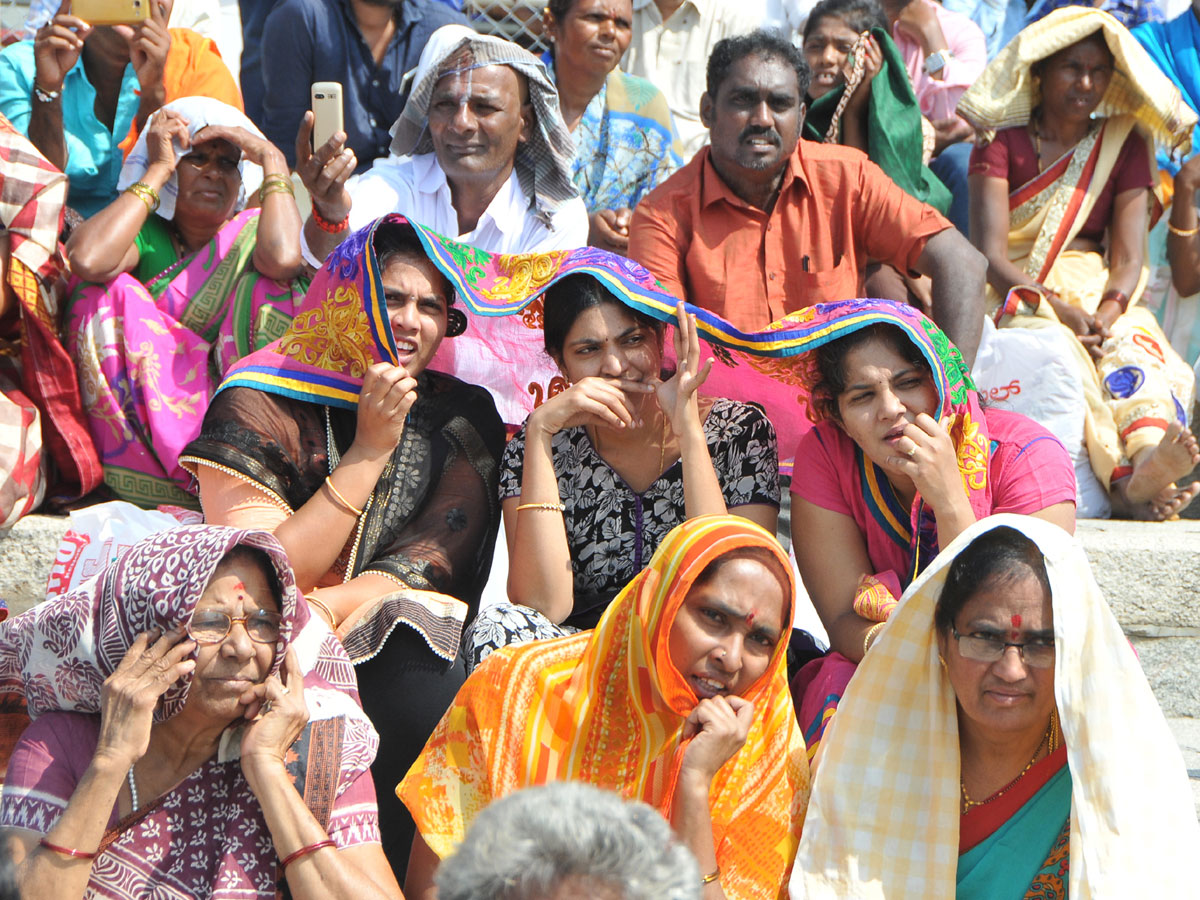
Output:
x=612 y=531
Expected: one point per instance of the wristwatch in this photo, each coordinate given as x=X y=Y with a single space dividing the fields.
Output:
x=936 y=61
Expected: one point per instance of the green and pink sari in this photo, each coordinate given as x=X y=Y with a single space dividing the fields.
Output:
x=150 y=356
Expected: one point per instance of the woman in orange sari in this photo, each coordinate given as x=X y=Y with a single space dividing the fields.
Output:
x=678 y=698
x=1060 y=197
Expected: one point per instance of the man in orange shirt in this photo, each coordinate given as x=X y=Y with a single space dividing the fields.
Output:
x=760 y=223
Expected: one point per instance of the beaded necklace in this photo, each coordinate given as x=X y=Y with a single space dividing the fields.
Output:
x=1049 y=741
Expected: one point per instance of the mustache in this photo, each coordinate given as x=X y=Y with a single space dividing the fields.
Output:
x=753 y=131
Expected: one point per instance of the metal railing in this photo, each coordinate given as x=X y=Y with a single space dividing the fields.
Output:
x=518 y=20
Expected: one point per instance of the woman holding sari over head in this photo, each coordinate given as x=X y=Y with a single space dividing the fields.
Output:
x=377 y=475
x=44 y=440
x=619 y=455
x=678 y=698
x=1000 y=742
x=902 y=459
x=196 y=733
x=183 y=280
x=1059 y=205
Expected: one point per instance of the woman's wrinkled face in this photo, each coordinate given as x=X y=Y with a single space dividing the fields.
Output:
x=1074 y=80
x=1008 y=696
x=417 y=301
x=725 y=632
x=209 y=182
x=826 y=48
x=227 y=668
x=884 y=392
x=593 y=35
x=608 y=342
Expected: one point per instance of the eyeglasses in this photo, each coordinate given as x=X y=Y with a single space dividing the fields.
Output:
x=990 y=647
x=212 y=627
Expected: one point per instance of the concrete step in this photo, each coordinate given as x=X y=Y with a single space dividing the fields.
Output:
x=1149 y=572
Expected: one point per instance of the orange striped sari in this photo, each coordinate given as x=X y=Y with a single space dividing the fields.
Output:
x=607 y=707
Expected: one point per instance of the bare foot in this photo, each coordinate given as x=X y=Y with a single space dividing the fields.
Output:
x=1157 y=469
x=1167 y=504
x=1172 y=500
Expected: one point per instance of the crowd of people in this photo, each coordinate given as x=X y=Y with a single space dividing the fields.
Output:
x=583 y=474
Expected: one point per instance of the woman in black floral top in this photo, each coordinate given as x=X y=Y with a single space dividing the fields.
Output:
x=603 y=470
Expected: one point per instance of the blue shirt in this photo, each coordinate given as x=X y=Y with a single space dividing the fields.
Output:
x=1128 y=12
x=999 y=20
x=93 y=156
x=318 y=40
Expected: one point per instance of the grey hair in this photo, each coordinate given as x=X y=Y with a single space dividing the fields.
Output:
x=540 y=840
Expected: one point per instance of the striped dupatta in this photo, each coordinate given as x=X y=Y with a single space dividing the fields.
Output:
x=608 y=707
x=1048 y=212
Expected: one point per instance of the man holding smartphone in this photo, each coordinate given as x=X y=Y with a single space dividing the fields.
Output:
x=365 y=45
x=480 y=153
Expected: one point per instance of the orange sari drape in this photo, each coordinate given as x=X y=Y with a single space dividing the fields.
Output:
x=608 y=707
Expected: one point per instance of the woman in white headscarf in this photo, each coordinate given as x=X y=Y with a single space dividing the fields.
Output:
x=999 y=742
x=183 y=280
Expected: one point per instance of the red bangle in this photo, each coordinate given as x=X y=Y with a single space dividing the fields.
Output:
x=1119 y=296
x=304 y=851
x=330 y=227
x=66 y=851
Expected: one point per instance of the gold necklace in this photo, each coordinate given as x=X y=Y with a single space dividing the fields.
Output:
x=1049 y=741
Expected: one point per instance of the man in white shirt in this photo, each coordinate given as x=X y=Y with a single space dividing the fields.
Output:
x=671 y=43
x=479 y=153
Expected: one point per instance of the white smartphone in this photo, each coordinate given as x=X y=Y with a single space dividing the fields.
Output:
x=327 y=111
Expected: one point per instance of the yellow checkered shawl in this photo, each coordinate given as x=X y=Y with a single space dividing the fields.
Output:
x=883 y=821
x=1006 y=93
x=607 y=707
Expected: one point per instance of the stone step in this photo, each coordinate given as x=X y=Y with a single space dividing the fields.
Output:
x=1149 y=572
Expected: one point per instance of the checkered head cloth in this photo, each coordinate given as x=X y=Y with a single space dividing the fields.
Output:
x=543 y=163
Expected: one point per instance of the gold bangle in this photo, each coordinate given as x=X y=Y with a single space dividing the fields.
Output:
x=711 y=877
x=313 y=601
x=146 y=194
x=1183 y=232
x=340 y=500
x=871 y=632
x=275 y=184
x=549 y=507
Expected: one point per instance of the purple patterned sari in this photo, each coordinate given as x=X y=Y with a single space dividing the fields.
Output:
x=207 y=836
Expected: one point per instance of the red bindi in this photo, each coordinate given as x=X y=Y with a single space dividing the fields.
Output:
x=750 y=619
x=1016 y=620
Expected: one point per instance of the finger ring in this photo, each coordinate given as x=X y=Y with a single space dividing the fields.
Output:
x=265 y=708
x=911 y=451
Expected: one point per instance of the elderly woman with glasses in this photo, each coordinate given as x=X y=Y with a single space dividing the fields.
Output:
x=196 y=733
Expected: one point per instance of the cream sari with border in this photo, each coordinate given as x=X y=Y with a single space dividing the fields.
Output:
x=883 y=819
x=1046 y=215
